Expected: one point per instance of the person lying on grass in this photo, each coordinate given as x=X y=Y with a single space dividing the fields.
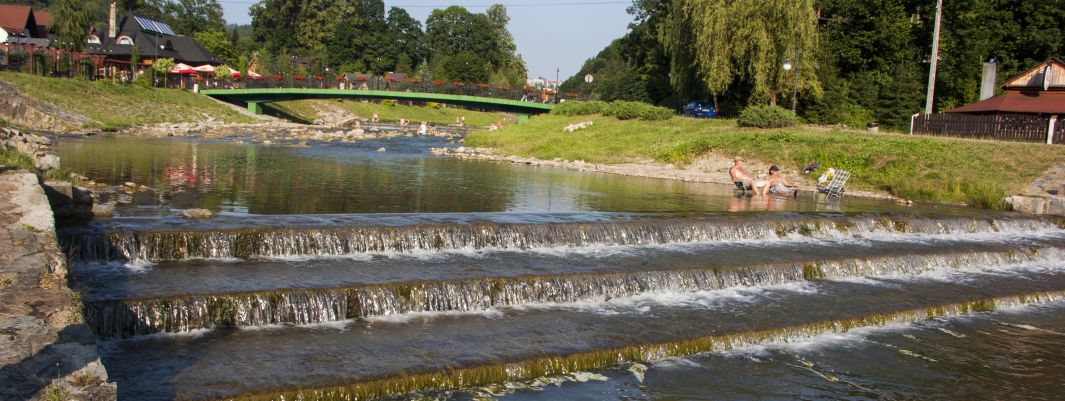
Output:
x=776 y=183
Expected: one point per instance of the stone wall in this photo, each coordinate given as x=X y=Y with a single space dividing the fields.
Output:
x=36 y=114
x=47 y=351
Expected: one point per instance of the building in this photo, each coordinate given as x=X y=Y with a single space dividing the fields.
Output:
x=21 y=24
x=149 y=39
x=1028 y=110
x=1039 y=91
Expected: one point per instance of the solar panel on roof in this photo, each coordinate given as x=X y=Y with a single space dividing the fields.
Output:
x=154 y=26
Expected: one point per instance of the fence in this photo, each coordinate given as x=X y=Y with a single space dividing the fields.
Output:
x=1006 y=127
x=1059 y=131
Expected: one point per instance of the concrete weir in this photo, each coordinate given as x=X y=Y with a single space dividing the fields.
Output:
x=46 y=350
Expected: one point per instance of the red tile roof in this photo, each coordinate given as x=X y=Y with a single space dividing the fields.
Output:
x=13 y=17
x=43 y=18
x=1018 y=102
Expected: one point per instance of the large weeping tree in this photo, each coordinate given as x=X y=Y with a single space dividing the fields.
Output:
x=750 y=40
x=71 y=24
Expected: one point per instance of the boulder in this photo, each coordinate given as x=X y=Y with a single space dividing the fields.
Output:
x=103 y=209
x=197 y=214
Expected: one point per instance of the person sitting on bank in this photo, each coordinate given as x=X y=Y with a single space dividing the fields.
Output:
x=776 y=183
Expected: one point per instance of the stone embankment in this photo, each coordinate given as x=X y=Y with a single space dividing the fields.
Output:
x=708 y=169
x=47 y=352
x=33 y=113
x=276 y=132
x=1044 y=195
x=35 y=147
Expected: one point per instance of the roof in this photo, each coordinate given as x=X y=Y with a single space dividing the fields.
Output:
x=1048 y=75
x=13 y=17
x=1031 y=102
x=43 y=18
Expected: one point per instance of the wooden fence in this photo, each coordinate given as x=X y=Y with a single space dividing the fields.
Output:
x=1006 y=127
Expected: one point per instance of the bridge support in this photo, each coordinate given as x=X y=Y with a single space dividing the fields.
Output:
x=255 y=108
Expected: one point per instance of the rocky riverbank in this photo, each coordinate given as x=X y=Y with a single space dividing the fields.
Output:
x=707 y=169
x=47 y=352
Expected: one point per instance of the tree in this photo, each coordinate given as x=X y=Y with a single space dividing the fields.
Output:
x=455 y=30
x=188 y=17
x=275 y=24
x=405 y=34
x=70 y=25
x=216 y=42
x=750 y=40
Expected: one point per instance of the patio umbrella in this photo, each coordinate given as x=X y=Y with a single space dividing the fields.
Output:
x=182 y=68
x=205 y=69
x=252 y=74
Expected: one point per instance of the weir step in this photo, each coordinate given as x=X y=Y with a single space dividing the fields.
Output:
x=150 y=241
x=152 y=310
x=392 y=356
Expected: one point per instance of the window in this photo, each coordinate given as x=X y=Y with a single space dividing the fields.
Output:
x=93 y=39
x=124 y=40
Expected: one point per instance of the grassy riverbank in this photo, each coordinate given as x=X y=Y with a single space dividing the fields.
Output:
x=112 y=106
x=310 y=110
x=979 y=173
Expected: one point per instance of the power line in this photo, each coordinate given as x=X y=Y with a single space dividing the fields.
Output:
x=580 y=3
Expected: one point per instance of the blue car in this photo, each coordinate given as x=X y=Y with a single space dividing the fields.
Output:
x=700 y=110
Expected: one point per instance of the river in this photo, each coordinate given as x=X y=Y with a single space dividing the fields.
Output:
x=376 y=270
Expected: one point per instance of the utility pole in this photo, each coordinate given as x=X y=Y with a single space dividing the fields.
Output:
x=934 y=60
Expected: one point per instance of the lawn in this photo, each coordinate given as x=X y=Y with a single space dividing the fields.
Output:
x=309 y=109
x=920 y=168
x=113 y=106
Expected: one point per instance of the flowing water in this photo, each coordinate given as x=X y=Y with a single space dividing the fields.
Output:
x=338 y=272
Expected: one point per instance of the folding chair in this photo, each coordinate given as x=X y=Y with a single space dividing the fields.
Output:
x=836 y=187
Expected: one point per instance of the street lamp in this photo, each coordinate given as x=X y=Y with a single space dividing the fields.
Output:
x=795 y=89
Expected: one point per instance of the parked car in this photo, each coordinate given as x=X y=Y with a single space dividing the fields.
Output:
x=700 y=110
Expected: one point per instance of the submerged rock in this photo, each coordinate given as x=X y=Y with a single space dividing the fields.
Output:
x=197 y=214
x=103 y=209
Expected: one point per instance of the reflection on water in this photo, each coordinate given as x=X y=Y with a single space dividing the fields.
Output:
x=357 y=178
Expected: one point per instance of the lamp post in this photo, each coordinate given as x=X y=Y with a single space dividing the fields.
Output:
x=794 y=90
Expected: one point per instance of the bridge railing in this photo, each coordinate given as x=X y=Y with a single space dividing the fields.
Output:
x=374 y=83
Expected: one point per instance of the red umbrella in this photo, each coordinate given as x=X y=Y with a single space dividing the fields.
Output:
x=182 y=68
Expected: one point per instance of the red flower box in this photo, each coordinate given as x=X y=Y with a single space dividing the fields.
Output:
x=438 y=82
x=299 y=77
x=458 y=83
x=341 y=78
x=319 y=78
x=482 y=85
x=503 y=88
x=360 y=78
x=278 y=78
x=415 y=81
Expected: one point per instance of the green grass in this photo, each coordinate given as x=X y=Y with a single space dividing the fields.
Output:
x=308 y=110
x=114 y=106
x=979 y=173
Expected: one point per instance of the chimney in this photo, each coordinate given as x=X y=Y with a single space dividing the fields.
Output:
x=987 y=81
x=111 y=28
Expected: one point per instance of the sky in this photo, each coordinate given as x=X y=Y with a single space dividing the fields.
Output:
x=550 y=34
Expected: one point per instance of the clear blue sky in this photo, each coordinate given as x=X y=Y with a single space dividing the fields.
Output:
x=549 y=35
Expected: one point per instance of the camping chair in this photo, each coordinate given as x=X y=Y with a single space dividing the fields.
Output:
x=741 y=188
x=836 y=186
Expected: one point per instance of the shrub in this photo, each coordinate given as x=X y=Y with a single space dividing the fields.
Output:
x=761 y=116
x=577 y=108
x=622 y=110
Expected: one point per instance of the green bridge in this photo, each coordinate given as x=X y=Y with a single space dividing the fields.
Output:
x=254 y=98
